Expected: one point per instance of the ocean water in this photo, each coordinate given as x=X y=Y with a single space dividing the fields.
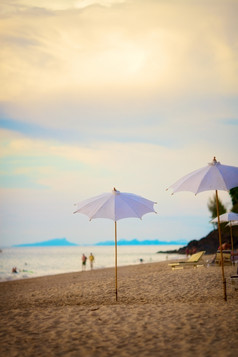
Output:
x=39 y=261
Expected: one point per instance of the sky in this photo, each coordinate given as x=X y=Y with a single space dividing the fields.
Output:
x=130 y=94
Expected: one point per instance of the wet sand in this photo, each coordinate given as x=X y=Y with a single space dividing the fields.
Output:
x=159 y=312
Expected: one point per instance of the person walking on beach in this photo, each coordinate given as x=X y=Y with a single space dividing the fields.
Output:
x=91 y=259
x=84 y=261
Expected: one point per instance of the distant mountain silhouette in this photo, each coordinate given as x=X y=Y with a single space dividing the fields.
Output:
x=57 y=242
x=141 y=242
x=63 y=242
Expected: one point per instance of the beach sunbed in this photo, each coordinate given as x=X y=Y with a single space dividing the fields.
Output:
x=226 y=257
x=194 y=261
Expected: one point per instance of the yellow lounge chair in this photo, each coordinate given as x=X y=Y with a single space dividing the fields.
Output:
x=226 y=257
x=194 y=261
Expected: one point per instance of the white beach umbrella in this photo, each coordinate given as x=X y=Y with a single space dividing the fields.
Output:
x=232 y=223
x=228 y=217
x=214 y=176
x=115 y=205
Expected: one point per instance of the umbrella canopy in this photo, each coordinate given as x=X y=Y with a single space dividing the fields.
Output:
x=115 y=205
x=214 y=176
x=226 y=217
x=232 y=223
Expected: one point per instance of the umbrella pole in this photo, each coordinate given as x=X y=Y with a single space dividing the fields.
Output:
x=222 y=261
x=232 y=248
x=116 y=256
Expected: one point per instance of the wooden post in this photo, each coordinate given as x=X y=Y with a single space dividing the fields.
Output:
x=116 y=256
x=220 y=243
x=232 y=247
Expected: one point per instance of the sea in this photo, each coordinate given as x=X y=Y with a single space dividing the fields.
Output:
x=33 y=262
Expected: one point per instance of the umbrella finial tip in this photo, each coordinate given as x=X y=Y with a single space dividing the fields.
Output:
x=214 y=162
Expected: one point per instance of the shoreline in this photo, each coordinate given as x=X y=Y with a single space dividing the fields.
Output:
x=159 y=312
x=167 y=261
x=29 y=270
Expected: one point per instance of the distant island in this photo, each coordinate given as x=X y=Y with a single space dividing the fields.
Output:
x=209 y=243
x=57 y=242
x=141 y=242
x=63 y=242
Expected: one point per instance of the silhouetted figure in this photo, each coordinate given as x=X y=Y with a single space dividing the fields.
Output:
x=91 y=259
x=84 y=261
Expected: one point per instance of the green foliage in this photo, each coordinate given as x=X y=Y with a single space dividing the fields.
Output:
x=234 y=198
x=212 y=206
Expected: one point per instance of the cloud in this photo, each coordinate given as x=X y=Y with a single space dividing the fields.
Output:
x=136 y=49
x=97 y=94
x=102 y=165
x=35 y=7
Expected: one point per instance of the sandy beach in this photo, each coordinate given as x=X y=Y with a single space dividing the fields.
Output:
x=159 y=312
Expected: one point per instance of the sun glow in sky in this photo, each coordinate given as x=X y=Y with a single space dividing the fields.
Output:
x=130 y=94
